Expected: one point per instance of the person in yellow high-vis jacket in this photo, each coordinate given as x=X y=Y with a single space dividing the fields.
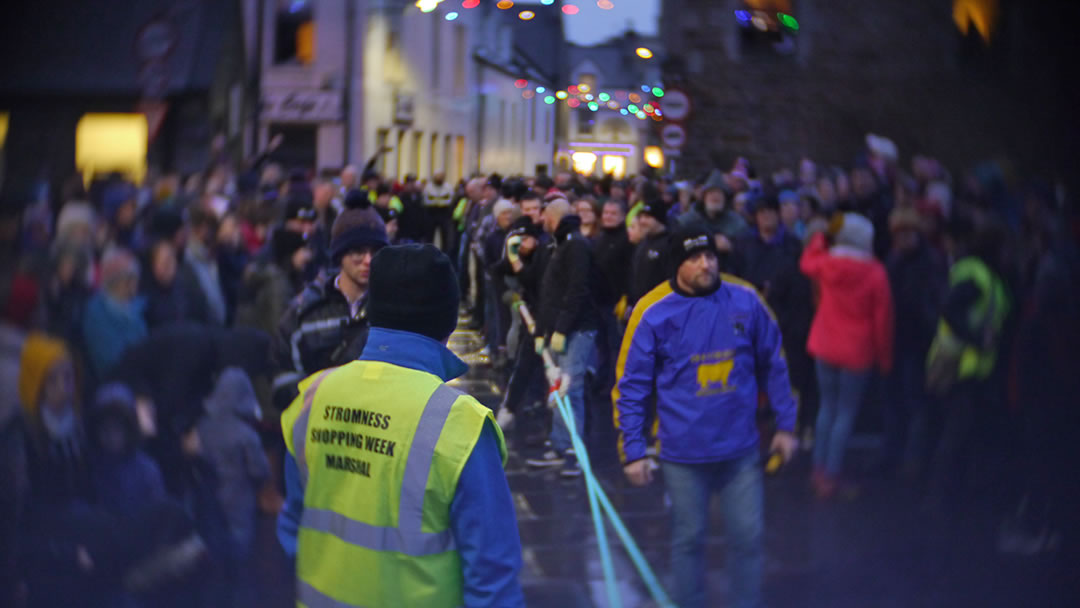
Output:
x=396 y=491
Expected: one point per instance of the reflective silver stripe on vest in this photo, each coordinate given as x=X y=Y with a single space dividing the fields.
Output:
x=299 y=430
x=376 y=537
x=407 y=537
x=313 y=598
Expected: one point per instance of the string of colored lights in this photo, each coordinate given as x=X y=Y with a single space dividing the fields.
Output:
x=642 y=105
x=577 y=95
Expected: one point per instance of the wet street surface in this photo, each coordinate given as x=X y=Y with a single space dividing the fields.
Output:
x=883 y=548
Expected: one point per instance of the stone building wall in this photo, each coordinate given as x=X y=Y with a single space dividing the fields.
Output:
x=899 y=68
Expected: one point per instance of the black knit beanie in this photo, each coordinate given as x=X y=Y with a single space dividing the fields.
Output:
x=413 y=288
x=687 y=241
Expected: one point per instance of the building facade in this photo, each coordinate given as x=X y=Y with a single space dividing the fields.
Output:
x=965 y=81
x=125 y=86
x=606 y=125
x=343 y=79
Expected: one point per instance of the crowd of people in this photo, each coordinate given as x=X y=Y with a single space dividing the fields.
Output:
x=153 y=334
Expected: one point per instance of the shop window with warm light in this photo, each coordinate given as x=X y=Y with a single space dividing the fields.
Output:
x=976 y=17
x=106 y=143
x=294 y=32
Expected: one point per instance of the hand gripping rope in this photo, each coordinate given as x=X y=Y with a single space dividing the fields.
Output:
x=599 y=504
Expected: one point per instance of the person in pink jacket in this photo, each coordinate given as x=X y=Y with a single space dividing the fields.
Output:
x=852 y=333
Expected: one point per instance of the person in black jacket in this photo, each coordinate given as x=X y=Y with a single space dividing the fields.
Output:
x=650 y=266
x=768 y=256
x=524 y=260
x=614 y=252
x=326 y=324
x=168 y=300
x=568 y=322
x=918 y=278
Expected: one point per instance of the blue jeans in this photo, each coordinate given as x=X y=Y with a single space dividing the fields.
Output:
x=690 y=486
x=841 y=393
x=580 y=347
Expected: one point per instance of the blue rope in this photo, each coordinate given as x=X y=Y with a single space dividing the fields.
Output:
x=614 y=600
x=597 y=495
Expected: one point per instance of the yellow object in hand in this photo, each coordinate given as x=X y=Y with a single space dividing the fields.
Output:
x=776 y=460
x=558 y=342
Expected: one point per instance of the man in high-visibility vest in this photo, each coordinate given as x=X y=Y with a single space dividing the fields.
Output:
x=396 y=490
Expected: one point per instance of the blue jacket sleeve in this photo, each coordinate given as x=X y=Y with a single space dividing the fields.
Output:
x=485 y=528
x=288 y=522
x=771 y=367
x=634 y=381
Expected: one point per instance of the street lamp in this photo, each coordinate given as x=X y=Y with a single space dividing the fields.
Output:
x=643 y=52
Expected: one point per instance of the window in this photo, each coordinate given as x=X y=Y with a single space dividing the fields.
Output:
x=586 y=121
x=399 y=159
x=298 y=145
x=459 y=60
x=294 y=33
x=418 y=149
x=433 y=156
x=980 y=15
x=614 y=165
x=447 y=164
x=382 y=137
x=459 y=158
x=112 y=142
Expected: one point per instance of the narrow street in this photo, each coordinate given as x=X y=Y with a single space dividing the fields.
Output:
x=880 y=549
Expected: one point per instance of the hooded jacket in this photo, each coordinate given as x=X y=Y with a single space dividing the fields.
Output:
x=727 y=222
x=853 y=326
x=126 y=480
x=566 y=296
x=232 y=445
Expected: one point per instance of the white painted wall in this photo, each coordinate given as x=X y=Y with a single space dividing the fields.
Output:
x=518 y=132
x=444 y=134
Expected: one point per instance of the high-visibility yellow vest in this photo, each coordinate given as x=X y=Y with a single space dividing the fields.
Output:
x=380 y=449
x=987 y=315
x=395 y=202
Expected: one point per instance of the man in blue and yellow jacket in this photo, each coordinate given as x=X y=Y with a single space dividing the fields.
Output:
x=702 y=347
x=396 y=491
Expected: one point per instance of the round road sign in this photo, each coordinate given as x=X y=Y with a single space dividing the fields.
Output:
x=676 y=105
x=673 y=136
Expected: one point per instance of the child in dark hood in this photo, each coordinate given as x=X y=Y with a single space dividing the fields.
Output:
x=231 y=444
x=127 y=481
